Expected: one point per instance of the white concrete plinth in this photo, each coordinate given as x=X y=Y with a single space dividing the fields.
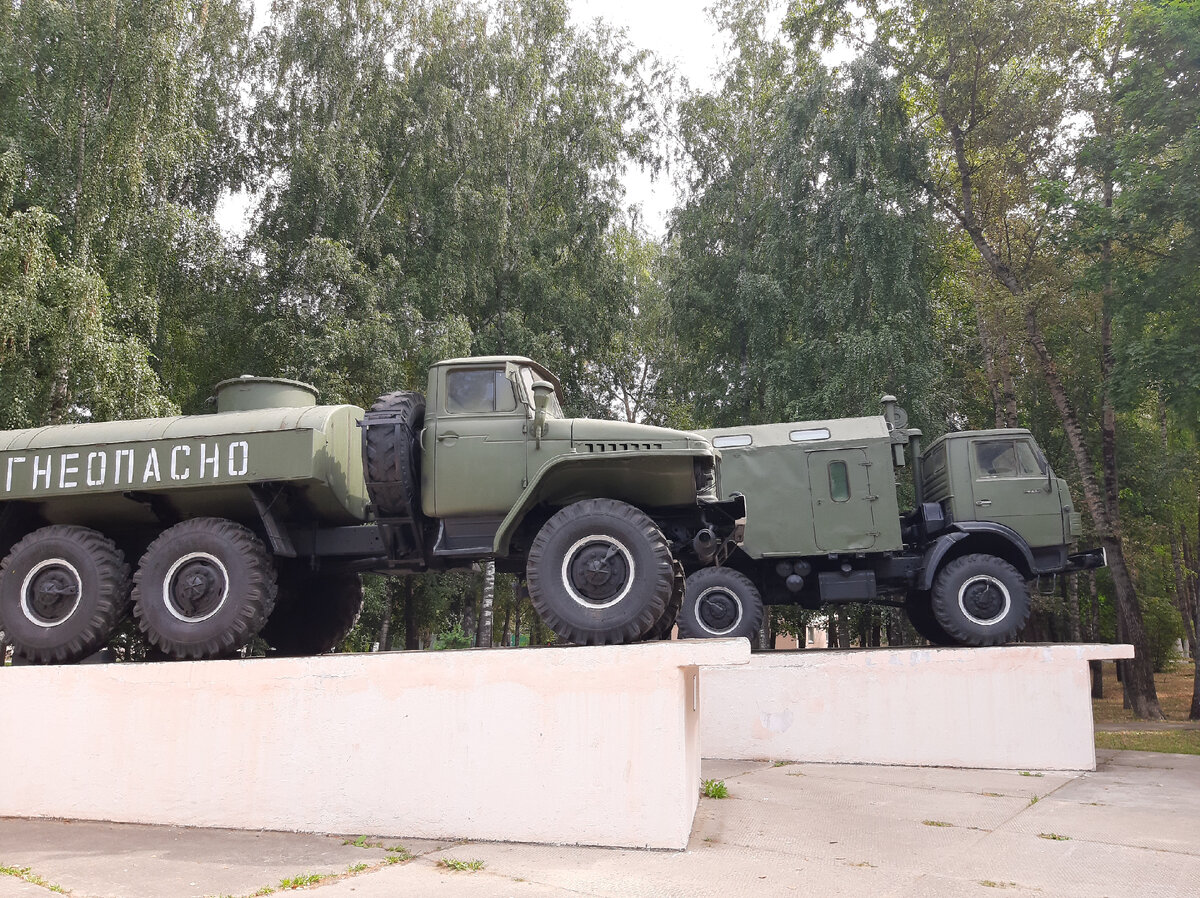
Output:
x=1011 y=707
x=596 y=746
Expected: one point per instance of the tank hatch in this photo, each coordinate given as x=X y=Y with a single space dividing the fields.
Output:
x=248 y=393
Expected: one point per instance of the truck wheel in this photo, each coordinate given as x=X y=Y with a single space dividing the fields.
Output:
x=599 y=572
x=392 y=455
x=720 y=601
x=313 y=612
x=920 y=614
x=980 y=600
x=203 y=589
x=63 y=591
x=661 y=629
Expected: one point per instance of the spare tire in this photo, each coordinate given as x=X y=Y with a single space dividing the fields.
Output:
x=392 y=454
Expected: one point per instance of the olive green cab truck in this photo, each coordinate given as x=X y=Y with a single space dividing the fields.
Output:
x=259 y=518
x=824 y=526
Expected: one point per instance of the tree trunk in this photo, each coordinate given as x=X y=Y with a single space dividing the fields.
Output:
x=385 y=628
x=1071 y=597
x=1139 y=682
x=519 y=593
x=843 y=627
x=1097 y=670
x=506 y=630
x=412 y=639
x=484 y=639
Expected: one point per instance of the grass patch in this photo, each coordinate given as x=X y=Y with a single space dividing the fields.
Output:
x=936 y=823
x=1174 y=687
x=992 y=884
x=714 y=789
x=462 y=866
x=360 y=842
x=1176 y=742
x=1034 y=801
x=993 y=794
x=783 y=763
x=357 y=868
x=304 y=879
x=1054 y=837
x=26 y=874
x=1030 y=773
x=399 y=852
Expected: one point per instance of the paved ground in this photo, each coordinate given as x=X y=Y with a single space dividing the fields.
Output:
x=1132 y=828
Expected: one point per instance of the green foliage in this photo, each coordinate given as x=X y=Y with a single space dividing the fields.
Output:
x=803 y=264
x=1164 y=627
x=302 y=880
x=461 y=866
x=714 y=789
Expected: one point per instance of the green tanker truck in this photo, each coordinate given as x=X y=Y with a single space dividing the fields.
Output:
x=824 y=526
x=259 y=518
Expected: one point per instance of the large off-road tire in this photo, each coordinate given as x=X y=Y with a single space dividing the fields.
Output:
x=980 y=600
x=720 y=602
x=392 y=455
x=204 y=589
x=599 y=572
x=63 y=591
x=920 y=614
x=661 y=629
x=314 y=611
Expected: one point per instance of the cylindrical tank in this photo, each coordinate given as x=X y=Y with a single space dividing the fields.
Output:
x=247 y=393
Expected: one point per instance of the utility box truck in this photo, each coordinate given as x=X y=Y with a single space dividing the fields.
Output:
x=824 y=525
x=259 y=518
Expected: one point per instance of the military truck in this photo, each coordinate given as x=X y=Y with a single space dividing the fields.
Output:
x=260 y=517
x=824 y=525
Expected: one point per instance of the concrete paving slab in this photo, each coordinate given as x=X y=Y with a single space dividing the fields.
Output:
x=1078 y=868
x=12 y=887
x=138 y=861
x=827 y=830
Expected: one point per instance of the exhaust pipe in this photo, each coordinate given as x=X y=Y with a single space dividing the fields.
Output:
x=705 y=545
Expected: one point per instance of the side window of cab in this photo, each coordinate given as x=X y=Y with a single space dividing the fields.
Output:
x=1007 y=458
x=479 y=391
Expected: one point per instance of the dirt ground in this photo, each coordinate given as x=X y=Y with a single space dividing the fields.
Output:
x=1174 y=694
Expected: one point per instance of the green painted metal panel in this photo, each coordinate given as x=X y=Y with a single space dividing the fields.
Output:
x=789 y=506
x=316 y=448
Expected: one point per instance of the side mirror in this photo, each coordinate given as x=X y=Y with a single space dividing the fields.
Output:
x=542 y=391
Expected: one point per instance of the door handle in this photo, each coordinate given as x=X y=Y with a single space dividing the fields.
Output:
x=447 y=437
x=1034 y=492
x=983 y=503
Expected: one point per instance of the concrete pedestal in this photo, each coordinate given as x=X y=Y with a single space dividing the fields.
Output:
x=1012 y=707
x=596 y=746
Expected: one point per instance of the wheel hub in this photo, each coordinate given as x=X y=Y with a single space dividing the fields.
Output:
x=598 y=571
x=51 y=593
x=719 y=611
x=196 y=587
x=984 y=600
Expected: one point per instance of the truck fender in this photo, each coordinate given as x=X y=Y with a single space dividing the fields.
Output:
x=933 y=558
x=533 y=493
x=961 y=530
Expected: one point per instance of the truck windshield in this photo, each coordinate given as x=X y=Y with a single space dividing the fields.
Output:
x=528 y=376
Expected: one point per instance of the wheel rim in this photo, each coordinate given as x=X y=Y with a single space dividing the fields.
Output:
x=984 y=600
x=598 y=571
x=51 y=592
x=718 y=611
x=196 y=587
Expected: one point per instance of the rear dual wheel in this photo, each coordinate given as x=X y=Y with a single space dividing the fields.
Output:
x=63 y=591
x=203 y=589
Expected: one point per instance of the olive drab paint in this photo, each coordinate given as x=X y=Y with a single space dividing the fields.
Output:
x=215 y=461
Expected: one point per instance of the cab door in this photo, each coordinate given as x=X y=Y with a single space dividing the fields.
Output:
x=478 y=440
x=1011 y=485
